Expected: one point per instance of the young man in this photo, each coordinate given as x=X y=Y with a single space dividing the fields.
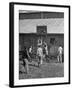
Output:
x=39 y=42
x=30 y=51
x=40 y=55
x=45 y=50
x=25 y=60
x=60 y=49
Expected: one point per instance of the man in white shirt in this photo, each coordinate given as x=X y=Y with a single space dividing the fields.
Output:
x=46 y=48
x=60 y=49
x=40 y=54
x=30 y=51
x=45 y=51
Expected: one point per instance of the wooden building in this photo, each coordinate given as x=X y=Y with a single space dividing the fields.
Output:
x=49 y=26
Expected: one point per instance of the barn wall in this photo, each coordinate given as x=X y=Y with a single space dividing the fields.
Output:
x=54 y=25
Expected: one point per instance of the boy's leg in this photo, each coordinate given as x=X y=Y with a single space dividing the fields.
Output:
x=39 y=60
x=58 y=58
x=61 y=58
x=26 y=66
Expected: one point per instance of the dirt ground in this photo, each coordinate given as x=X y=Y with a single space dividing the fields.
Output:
x=46 y=70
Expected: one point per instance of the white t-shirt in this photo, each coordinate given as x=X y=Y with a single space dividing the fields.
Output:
x=30 y=50
x=40 y=51
x=60 y=50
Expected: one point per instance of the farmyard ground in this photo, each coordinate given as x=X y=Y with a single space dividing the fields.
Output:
x=46 y=70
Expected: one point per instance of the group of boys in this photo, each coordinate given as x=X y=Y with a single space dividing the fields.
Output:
x=42 y=53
